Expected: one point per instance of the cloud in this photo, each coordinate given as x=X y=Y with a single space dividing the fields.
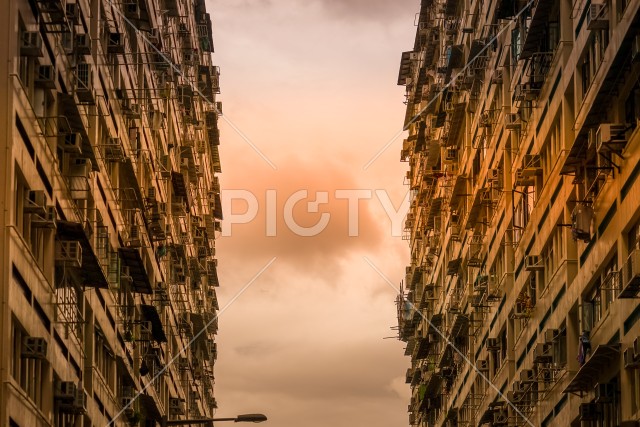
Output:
x=374 y=10
x=319 y=252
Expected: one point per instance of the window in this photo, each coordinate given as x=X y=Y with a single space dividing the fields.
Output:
x=602 y=294
x=560 y=346
x=28 y=373
x=632 y=106
x=522 y=212
x=104 y=359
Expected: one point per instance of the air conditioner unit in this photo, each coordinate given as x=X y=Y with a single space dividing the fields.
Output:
x=451 y=155
x=77 y=406
x=34 y=348
x=80 y=167
x=551 y=335
x=184 y=162
x=494 y=176
x=188 y=57
x=542 y=353
x=493 y=344
x=496 y=78
x=35 y=202
x=30 y=44
x=69 y=253
x=630 y=359
x=134 y=111
x=72 y=12
x=183 y=28
x=47 y=220
x=483 y=365
x=527 y=376
x=71 y=142
x=82 y=44
x=145 y=331
x=636 y=346
x=414 y=56
x=131 y=10
x=515 y=397
x=134 y=239
x=65 y=390
x=611 y=137
x=598 y=17
x=531 y=164
x=151 y=193
x=512 y=121
x=165 y=166
x=520 y=311
x=115 y=43
x=45 y=77
x=588 y=412
x=533 y=263
x=176 y=406
x=500 y=417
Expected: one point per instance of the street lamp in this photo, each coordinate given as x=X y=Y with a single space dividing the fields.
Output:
x=244 y=418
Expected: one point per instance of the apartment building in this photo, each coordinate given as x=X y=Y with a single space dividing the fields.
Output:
x=110 y=205
x=520 y=304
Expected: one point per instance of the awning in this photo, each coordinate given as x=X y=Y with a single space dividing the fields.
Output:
x=149 y=407
x=130 y=178
x=436 y=320
x=455 y=57
x=180 y=187
x=416 y=276
x=451 y=7
x=537 y=28
x=411 y=345
x=140 y=279
x=476 y=47
x=456 y=117
x=405 y=68
x=68 y=108
x=589 y=374
x=447 y=357
x=150 y=313
x=124 y=368
x=474 y=212
x=91 y=270
x=217 y=210
x=460 y=323
x=423 y=348
x=433 y=153
x=434 y=209
x=200 y=332
x=431 y=382
x=453 y=266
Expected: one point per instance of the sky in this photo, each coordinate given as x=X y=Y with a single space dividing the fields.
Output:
x=311 y=84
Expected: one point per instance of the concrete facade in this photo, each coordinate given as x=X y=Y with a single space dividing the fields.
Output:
x=520 y=301
x=111 y=204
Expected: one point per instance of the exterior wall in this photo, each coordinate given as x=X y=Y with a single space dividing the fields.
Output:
x=110 y=268
x=507 y=103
